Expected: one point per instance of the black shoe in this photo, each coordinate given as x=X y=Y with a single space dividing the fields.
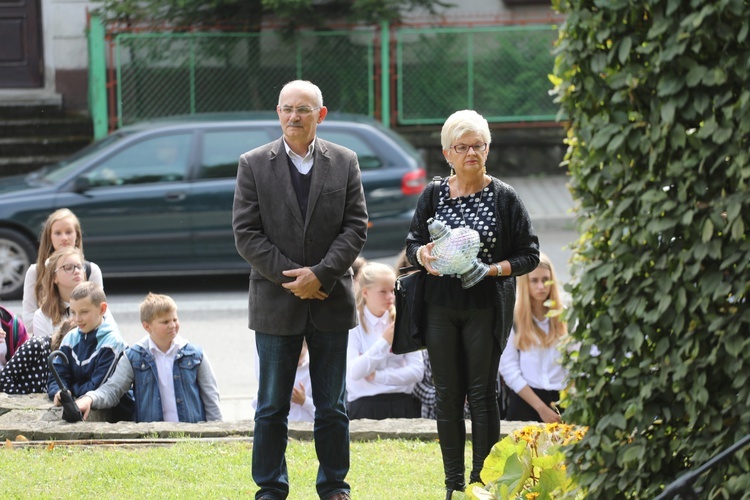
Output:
x=449 y=493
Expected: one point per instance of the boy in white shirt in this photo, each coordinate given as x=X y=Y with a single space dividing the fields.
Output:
x=172 y=379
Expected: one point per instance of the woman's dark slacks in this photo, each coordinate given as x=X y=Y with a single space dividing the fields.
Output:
x=465 y=356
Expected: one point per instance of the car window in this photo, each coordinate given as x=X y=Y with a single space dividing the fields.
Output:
x=159 y=159
x=62 y=169
x=367 y=157
x=222 y=150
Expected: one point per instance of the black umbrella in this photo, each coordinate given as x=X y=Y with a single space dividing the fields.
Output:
x=71 y=413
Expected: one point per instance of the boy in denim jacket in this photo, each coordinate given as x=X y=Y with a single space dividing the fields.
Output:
x=171 y=378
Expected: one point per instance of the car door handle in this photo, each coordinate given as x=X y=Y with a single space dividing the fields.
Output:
x=175 y=196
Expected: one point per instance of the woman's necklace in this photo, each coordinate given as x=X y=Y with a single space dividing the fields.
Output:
x=476 y=215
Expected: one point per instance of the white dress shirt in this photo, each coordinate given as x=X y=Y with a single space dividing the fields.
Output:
x=164 y=368
x=303 y=164
x=539 y=367
x=369 y=352
x=297 y=413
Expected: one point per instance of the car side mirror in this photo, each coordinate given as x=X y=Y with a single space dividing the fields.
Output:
x=81 y=184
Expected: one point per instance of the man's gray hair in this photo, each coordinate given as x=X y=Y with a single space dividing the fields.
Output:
x=309 y=86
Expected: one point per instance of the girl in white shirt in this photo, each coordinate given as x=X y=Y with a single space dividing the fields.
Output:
x=63 y=271
x=379 y=383
x=531 y=362
x=61 y=229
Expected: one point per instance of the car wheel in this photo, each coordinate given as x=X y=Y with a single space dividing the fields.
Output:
x=17 y=253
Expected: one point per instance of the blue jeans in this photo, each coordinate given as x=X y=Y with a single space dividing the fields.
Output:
x=278 y=357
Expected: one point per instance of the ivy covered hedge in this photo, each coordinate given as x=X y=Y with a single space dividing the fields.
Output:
x=657 y=94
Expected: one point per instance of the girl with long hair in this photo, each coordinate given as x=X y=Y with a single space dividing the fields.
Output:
x=61 y=229
x=379 y=383
x=530 y=364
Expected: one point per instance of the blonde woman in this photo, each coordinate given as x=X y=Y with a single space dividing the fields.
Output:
x=531 y=365
x=465 y=328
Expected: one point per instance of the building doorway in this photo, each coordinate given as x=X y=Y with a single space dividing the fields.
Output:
x=21 y=64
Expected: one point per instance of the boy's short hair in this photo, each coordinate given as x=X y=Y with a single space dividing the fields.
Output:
x=155 y=305
x=91 y=290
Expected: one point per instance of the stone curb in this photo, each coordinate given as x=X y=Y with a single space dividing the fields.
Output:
x=33 y=417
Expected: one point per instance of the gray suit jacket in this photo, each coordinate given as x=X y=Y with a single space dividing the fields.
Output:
x=270 y=234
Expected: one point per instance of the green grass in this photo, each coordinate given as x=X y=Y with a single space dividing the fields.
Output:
x=387 y=469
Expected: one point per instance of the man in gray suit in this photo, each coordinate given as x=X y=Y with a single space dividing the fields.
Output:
x=300 y=220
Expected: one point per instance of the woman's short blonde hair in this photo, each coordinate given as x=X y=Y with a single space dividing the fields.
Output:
x=462 y=122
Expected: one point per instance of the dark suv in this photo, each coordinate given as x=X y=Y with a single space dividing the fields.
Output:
x=156 y=198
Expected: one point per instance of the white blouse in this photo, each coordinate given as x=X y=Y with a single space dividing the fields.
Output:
x=539 y=367
x=368 y=352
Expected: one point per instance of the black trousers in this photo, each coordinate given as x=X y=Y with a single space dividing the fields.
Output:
x=464 y=354
x=382 y=406
x=520 y=410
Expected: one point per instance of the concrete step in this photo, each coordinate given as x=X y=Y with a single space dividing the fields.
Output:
x=45 y=127
x=23 y=110
x=35 y=131
x=28 y=146
x=26 y=164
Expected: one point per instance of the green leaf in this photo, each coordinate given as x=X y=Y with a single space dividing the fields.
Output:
x=708 y=231
x=735 y=344
x=667 y=111
x=634 y=452
x=623 y=51
x=669 y=84
x=715 y=76
x=738 y=230
x=722 y=135
x=695 y=75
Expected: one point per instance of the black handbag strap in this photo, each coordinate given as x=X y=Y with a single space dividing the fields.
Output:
x=435 y=192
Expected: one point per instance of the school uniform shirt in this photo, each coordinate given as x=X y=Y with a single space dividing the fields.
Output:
x=306 y=411
x=164 y=363
x=368 y=352
x=297 y=413
x=539 y=367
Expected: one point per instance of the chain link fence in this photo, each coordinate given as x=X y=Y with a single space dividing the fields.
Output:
x=163 y=74
x=501 y=71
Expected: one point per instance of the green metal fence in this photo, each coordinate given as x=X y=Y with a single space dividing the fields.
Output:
x=500 y=71
x=419 y=76
x=162 y=74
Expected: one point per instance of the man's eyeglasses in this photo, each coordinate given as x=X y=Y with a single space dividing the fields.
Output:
x=463 y=148
x=301 y=111
x=70 y=268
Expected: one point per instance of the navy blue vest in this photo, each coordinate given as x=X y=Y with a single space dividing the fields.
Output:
x=301 y=183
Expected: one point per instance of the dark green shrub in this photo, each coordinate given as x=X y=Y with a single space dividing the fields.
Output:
x=657 y=94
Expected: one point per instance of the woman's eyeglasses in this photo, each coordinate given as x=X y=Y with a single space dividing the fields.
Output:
x=70 y=268
x=301 y=111
x=463 y=148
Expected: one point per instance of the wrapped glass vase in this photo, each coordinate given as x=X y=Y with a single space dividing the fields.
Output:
x=456 y=251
